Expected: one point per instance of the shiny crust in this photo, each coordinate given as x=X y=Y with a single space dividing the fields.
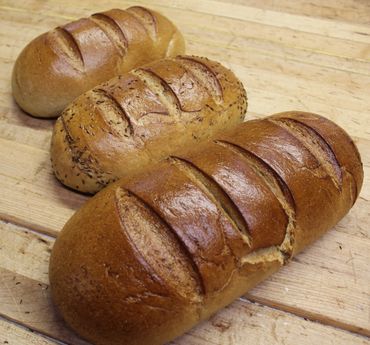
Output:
x=60 y=65
x=151 y=255
x=125 y=125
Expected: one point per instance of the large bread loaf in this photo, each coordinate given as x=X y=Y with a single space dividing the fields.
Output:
x=149 y=257
x=57 y=66
x=127 y=124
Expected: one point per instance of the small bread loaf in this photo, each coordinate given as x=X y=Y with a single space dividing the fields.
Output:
x=61 y=64
x=132 y=121
x=149 y=257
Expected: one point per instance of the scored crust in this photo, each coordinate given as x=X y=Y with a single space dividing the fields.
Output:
x=131 y=122
x=58 y=66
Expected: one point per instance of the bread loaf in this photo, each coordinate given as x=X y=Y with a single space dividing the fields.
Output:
x=61 y=64
x=150 y=256
x=132 y=121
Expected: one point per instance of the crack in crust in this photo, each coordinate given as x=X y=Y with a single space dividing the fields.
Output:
x=217 y=195
x=283 y=194
x=161 y=89
x=112 y=30
x=354 y=189
x=146 y=18
x=66 y=46
x=203 y=73
x=106 y=101
x=178 y=103
x=153 y=237
x=316 y=145
x=272 y=179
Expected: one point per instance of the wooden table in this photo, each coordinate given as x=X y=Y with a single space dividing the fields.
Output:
x=290 y=55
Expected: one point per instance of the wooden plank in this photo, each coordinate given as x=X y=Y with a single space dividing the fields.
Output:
x=344 y=89
x=24 y=297
x=188 y=21
x=28 y=302
x=34 y=137
x=31 y=196
x=337 y=285
x=237 y=45
x=247 y=323
x=12 y=334
x=24 y=252
x=351 y=31
x=344 y=10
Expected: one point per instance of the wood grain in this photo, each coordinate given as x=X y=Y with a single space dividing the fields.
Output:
x=343 y=10
x=13 y=334
x=306 y=55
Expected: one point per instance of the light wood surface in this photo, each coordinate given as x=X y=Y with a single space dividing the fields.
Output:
x=305 y=55
x=13 y=334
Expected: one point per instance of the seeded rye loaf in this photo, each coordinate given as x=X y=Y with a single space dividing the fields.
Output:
x=131 y=122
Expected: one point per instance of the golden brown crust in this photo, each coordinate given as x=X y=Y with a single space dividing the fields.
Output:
x=151 y=255
x=228 y=168
x=60 y=65
x=121 y=273
x=132 y=121
x=340 y=144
